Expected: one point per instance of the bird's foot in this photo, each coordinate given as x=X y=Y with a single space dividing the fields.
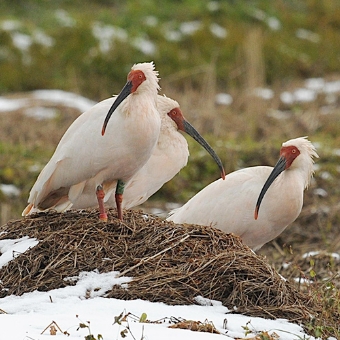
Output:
x=103 y=216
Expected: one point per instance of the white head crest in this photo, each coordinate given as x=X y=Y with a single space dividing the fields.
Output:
x=150 y=73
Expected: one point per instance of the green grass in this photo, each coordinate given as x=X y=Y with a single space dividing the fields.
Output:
x=74 y=62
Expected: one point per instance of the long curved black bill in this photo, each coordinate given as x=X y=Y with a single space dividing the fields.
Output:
x=122 y=95
x=279 y=167
x=191 y=131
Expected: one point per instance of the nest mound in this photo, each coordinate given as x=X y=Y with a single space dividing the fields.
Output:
x=169 y=263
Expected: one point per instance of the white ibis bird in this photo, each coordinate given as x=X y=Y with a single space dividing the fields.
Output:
x=86 y=152
x=168 y=157
x=229 y=205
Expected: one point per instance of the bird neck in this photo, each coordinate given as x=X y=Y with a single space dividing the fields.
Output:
x=143 y=103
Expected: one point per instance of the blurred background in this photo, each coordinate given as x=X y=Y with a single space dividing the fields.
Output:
x=248 y=75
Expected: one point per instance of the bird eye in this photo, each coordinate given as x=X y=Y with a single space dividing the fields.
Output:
x=174 y=112
x=293 y=151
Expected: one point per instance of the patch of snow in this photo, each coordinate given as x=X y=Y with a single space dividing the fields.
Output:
x=320 y=192
x=10 y=25
x=64 y=98
x=52 y=96
x=277 y=114
x=315 y=84
x=172 y=205
x=302 y=280
x=336 y=152
x=172 y=35
x=7 y=104
x=325 y=175
x=106 y=34
x=10 y=249
x=316 y=167
x=64 y=18
x=274 y=23
x=9 y=190
x=304 y=34
x=21 y=41
x=259 y=14
x=286 y=265
x=264 y=93
x=202 y=301
x=310 y=253
x=35 y=168
x=151 y=21
x=223 y=99
x=332 y=87
x=287 y=97
x=41 y=113
x=299 y=95
x=304 y=95
x=213 y=6
x=158 y=212
x=35 y=311
x=218 y=31
x=336 y=256
x=190 y=27
x=42 y=38
x=144 y=45
x=95 y=283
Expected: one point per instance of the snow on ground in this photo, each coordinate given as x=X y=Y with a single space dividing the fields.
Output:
x=10 y=249
x=64 y=98
x=223 y=99
x=28 y=315
x=31 y=314
x=56 y=97
x=9 y=190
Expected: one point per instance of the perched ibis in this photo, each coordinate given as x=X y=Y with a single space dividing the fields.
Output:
x=229 y=205
x=106 y=145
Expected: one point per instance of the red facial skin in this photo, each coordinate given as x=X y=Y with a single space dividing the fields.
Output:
x=287 y=156
x=177 y=116
x=136 y=77
x=289 y=153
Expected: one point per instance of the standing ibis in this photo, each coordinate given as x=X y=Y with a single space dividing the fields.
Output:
x=106 y=144
x=229 y=205
x=168 y=157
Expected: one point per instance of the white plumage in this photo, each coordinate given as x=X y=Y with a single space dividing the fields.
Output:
x=83 y=154
x=229 y=205
x=168 y=157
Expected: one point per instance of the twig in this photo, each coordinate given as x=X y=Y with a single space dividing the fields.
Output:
x=142 y=261
x=51 y=324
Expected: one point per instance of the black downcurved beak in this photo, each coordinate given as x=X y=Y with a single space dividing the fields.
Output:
x=279 y=167
x=191 y=131
x=122 y=95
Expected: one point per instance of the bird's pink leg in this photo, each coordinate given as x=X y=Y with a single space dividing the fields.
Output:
x=119 y=198
x=100 y=197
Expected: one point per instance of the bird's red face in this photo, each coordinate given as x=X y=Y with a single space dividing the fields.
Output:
x=136 y=77
x=287 y=156
x=177 y=116
x=289 y=153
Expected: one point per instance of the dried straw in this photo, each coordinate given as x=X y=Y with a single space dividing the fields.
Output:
x=168 y=262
